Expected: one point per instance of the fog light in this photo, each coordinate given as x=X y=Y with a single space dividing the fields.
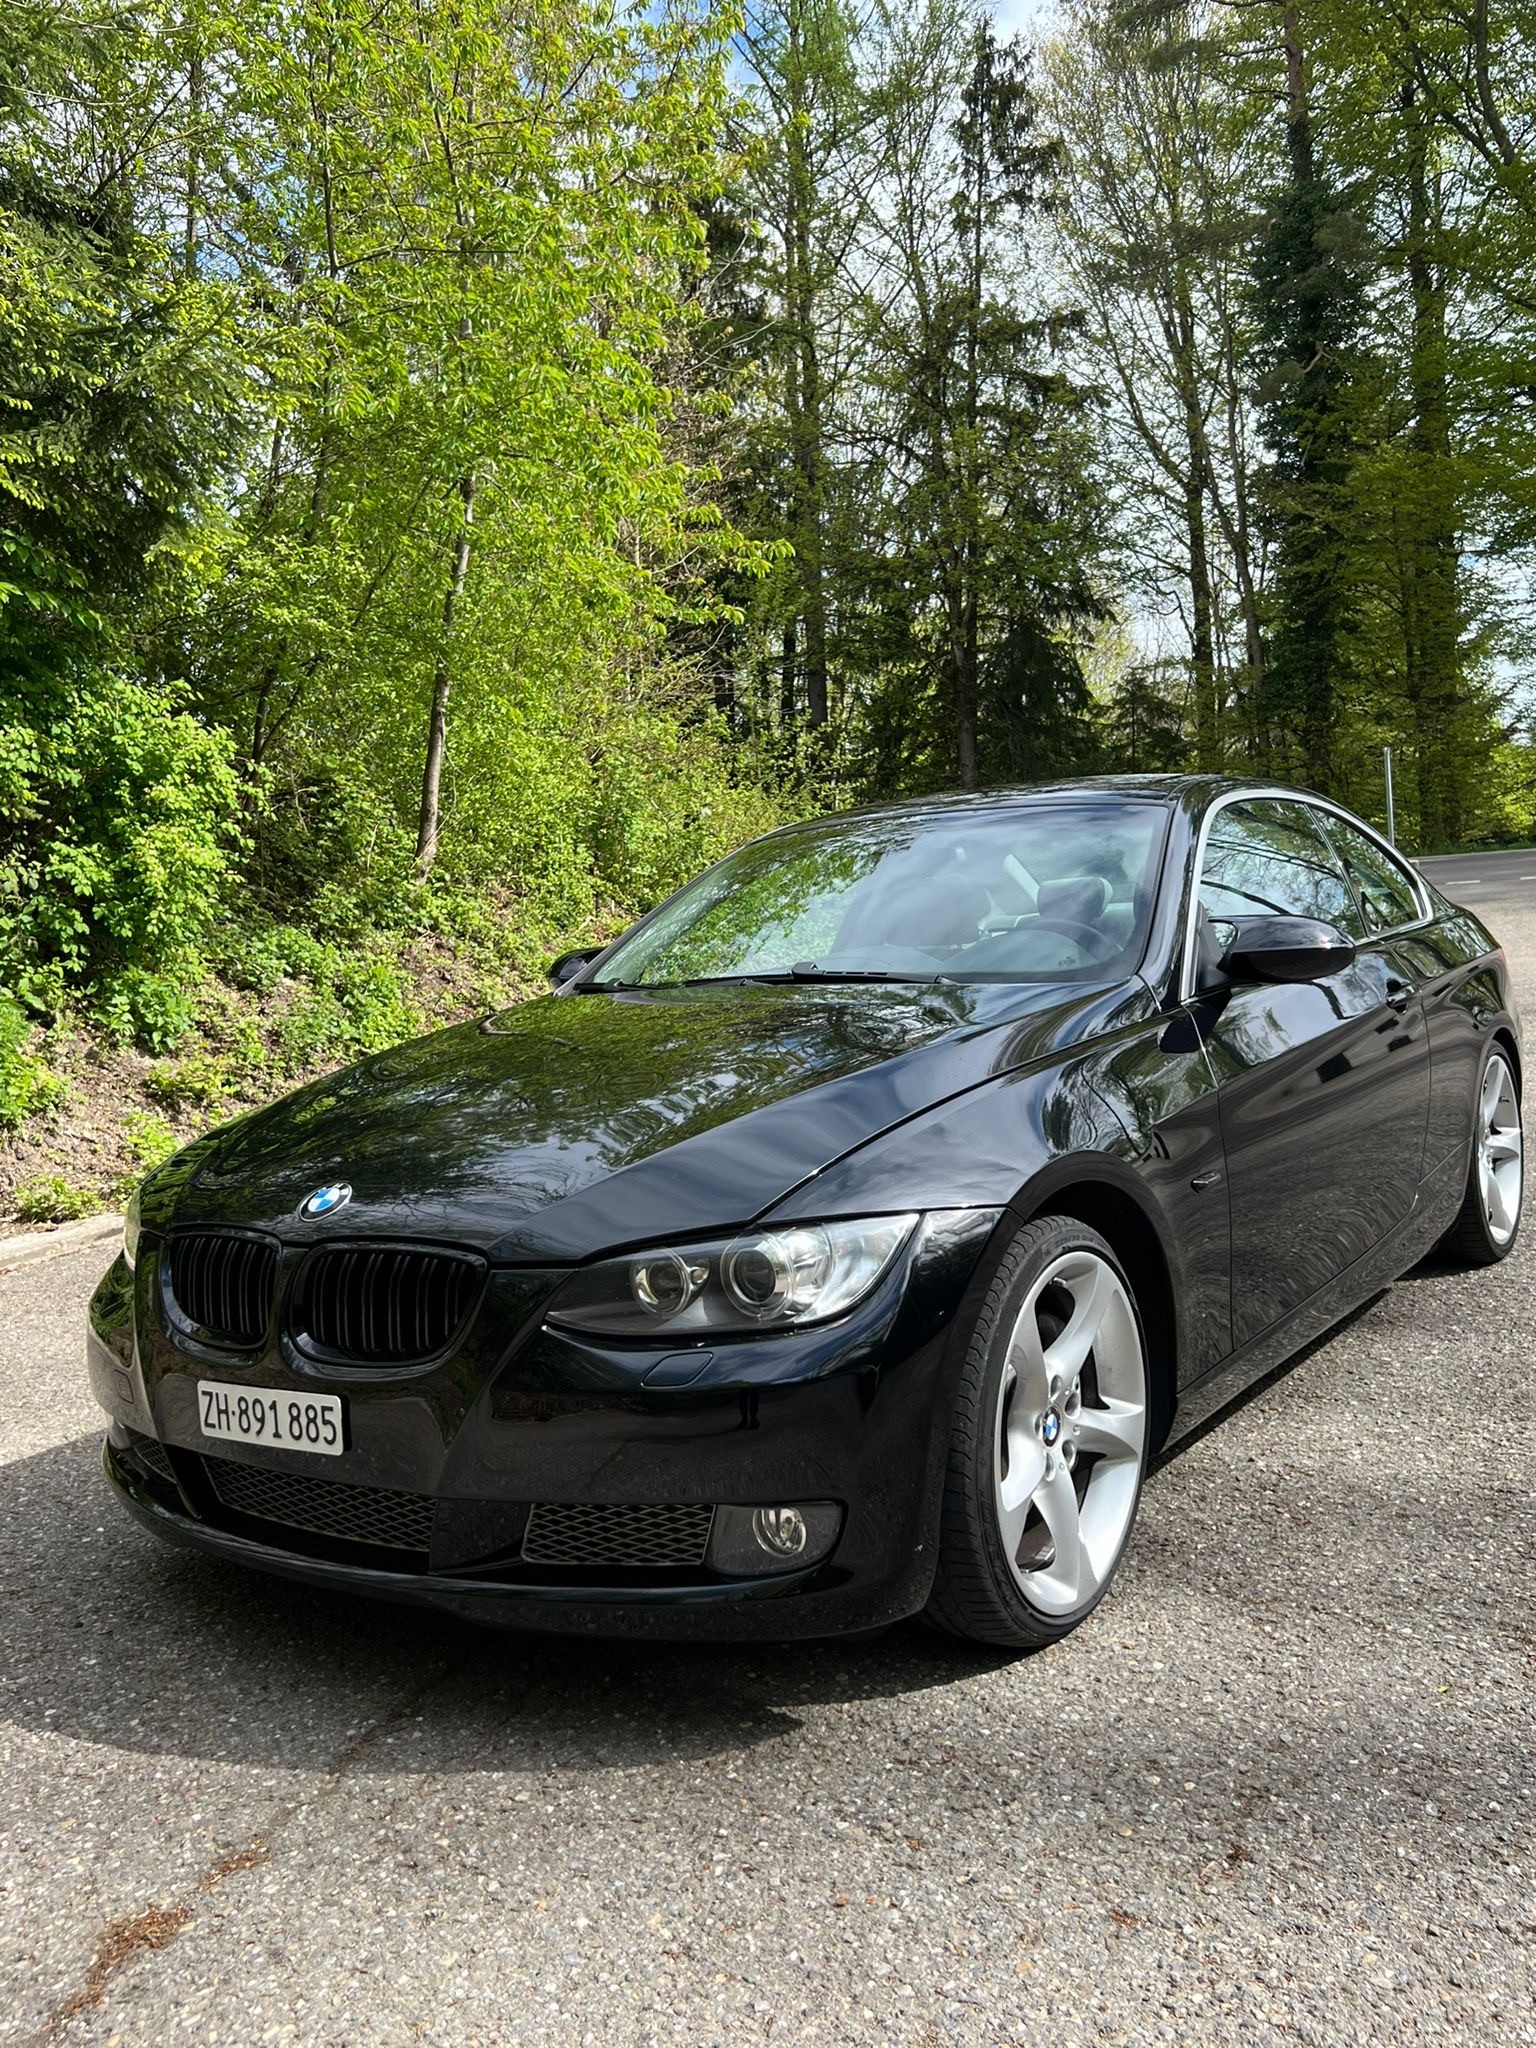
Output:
x=751 y=1542
x=781 y=1531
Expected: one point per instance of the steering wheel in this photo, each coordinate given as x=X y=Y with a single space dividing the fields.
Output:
x=1095 y=944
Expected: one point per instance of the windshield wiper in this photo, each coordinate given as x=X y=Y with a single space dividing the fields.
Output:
x=811 y=970
x=690 y=981
x=803 y=970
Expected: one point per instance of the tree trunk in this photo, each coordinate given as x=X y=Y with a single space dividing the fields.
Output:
x=807 y=428
x=193 y=199
x=1202 y=651
x=961 y=620
x=1202 y=638
x=442 y=684
x=968 y=635
x=1432 y=663
x=1298 y=115
x=1306 y=653
x=262 y=722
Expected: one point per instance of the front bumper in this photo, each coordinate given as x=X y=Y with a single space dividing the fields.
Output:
x=856 y=1414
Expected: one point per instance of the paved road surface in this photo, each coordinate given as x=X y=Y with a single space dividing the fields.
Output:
x=1488 y=883
x=1282 y=1788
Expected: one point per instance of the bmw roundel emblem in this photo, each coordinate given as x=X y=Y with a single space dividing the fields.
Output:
x=324 y=1200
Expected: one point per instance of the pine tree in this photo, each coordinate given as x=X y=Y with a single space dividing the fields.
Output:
x=1310 y=298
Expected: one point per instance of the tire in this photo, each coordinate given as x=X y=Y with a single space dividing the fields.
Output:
x=1048 y=1440
x=1488 y=1225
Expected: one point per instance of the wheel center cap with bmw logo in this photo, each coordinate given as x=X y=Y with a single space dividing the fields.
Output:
x=1050 y=1429
x=324 y=1201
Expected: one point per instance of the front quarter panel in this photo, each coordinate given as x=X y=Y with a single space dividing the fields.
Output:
x=1133 y=1110
x=973 y=1152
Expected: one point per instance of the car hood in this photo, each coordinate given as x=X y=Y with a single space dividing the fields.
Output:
x=580 y=1122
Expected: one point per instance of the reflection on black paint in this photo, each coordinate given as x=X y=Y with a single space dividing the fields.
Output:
x=1324 y=1097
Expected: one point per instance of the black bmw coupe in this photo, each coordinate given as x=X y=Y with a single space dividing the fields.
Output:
x=840 y=1243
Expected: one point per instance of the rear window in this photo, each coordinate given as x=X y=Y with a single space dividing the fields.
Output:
x=1387 y=893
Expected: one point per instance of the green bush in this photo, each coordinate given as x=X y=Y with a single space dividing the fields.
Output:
x=26 y=1085
x=115 y=852
x=151 y=1141
x=202 y=1080
x=49 y=1198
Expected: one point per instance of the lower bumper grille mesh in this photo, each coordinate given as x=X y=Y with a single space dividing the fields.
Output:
x=152 y=1455
x=559 y=1534
x=324 y=1507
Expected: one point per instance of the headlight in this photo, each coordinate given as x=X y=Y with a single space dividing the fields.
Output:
x=131 y=1230
x=766 y=1279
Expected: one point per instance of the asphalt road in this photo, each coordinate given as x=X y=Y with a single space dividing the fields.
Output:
x=1491 y=882
x=1281 y=1788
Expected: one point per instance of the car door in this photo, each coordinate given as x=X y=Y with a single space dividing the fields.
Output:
x=1394 y=908
x=1323 y=1087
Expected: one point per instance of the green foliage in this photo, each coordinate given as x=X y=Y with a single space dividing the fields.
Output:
x=464 y=469
x=1143 y=732
x=50 y=1198
x=151 y=1141
x=114 y=856
x=119 y=392
x=1294 y=233
x=1310 y=287
x=336 y=461
x=26 y=1085
x=200 y=1081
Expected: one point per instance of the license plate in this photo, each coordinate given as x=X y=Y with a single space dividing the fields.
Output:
x=264 y=1415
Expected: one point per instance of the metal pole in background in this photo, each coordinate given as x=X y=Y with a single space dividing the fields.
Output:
x=1386 y=755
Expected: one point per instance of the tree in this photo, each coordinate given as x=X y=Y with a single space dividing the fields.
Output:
x=1310 y=292
x=987 y=435
x=121 y=392
x=1158 y=218
x=802 y=139
x=468 y=235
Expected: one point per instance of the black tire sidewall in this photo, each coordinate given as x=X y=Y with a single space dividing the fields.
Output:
x=1035 y=1246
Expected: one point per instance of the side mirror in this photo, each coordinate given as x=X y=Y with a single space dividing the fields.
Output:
x=1286 y=949
x=570 y=964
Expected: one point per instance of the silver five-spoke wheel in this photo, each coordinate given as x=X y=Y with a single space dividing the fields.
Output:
x=1500 y=1150
x=1053 y=1420
x=1071 y=1430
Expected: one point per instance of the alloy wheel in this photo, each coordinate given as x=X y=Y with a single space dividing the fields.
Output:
x=1500 y=1150
x=1070 y=1433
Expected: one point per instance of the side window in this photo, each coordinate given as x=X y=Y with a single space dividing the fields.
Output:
x=1385 y=890
x=1271 y=857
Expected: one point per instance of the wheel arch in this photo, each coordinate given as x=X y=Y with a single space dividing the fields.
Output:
x=1119 y=1210
x=1504 y=1036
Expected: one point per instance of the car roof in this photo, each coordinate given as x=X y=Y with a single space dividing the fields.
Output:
x=1190 y=792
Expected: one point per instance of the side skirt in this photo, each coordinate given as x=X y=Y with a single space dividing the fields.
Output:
x=1434 y=1211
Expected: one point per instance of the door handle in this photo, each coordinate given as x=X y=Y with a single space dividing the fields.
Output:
x=1399 y=995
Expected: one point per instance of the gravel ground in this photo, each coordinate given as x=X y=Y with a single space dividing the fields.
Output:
x=1282 y=1787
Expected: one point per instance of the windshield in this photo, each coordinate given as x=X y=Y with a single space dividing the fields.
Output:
x=1041 y=892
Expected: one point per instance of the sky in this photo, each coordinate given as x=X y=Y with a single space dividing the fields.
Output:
x=1012 y=16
